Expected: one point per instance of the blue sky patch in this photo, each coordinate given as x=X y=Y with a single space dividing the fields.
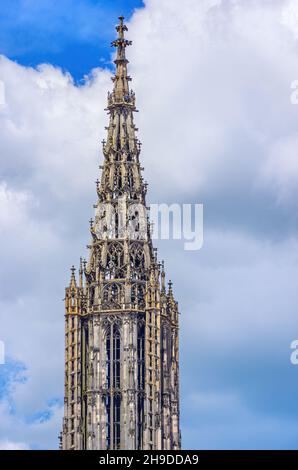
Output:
x=74 y=35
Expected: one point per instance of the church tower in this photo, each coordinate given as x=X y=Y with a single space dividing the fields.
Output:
x=121 y=320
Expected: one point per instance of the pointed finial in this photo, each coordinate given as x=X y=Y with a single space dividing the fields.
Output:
x=84 y=266
x=121 y=27
x=163 y=277
x=81 y=273
x=170 y=284
x=73 y=282
x=121 y=93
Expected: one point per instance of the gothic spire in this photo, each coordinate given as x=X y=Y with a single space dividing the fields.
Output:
x=121 y=170
x=121 y=79
x=121 y=324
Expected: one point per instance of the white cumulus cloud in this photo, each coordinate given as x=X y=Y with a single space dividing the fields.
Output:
x=212 y=82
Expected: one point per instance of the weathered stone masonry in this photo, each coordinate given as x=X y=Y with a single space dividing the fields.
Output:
x=121 y=322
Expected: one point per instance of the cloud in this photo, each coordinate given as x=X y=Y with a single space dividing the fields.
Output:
x=250 y=430
x=45 y=173
x=39 y=434
x=290 y=16
x=8 y=445
x=212 y=74
x=281 y=169
x=213 y=89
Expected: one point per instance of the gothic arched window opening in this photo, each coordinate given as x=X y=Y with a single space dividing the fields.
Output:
x=115 y=261
x=141 y=382
x=112 y=295
x=137 y=262
x=113 y=382
x=138 y=296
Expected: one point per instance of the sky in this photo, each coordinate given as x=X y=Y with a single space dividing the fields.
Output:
x=213 y=88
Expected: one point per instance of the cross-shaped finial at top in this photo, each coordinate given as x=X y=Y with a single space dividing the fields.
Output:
x=120 y=42
x=121 y=27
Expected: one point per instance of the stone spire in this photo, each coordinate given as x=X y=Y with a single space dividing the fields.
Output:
x=121 y=79
x=121 y=174
x=121 y=326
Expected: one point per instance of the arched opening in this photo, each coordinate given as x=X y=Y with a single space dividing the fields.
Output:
x=137 y=262
x=113 y=382
x=115 y=262
x=141 y=383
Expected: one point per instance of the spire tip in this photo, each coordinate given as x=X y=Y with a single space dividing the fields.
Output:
x=121 y=27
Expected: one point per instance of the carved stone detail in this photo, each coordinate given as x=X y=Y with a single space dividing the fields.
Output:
x=121 y=323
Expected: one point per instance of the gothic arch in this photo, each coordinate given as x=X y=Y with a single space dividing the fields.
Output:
x=137 y=261
x=112 y=385
x=112 y=295
x=115 y=268
x=138 y=295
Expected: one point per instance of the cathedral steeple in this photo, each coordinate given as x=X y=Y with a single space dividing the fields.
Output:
x=121 y=356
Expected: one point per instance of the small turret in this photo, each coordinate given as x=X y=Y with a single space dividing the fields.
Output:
x=73 y=282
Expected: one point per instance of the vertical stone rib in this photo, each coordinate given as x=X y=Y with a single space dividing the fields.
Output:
x=121 y=286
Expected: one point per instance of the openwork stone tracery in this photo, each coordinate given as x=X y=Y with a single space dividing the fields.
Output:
x=121 y=323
